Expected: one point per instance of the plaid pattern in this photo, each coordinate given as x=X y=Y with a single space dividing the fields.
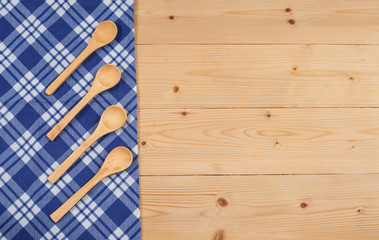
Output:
x=38 y=39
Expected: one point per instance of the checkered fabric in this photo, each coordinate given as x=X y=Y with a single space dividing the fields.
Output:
x=38 y=40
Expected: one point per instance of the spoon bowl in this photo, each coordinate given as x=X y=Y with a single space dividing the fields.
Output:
x=117 y=160
x=107 y=77
x=105 y=32
x=113 y=117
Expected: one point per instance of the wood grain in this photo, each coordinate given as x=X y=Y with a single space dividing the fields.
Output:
x=257 y=21
x=259 y=141
x=258 y=76
x=260 y=207
x=269 y=109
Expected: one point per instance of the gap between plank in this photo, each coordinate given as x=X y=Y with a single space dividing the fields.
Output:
x=258 y=44
x=268 y=174
x=211 y=108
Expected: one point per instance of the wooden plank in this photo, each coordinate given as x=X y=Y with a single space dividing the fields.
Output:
x=257 y=21
x=260 y=207
x=259 y=141
x=258 y=76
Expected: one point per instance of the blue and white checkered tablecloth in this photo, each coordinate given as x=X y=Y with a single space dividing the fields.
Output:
x=38 y=39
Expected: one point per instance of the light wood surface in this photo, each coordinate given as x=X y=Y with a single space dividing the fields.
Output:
x=112 y=119
x=219 y=76
x=117 y=160
x=256 y=141
x=260 y=207
x=104 y=33
x=257 y=22
x=258 y=119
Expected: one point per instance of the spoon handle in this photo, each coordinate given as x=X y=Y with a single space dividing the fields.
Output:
x=61 y=169
x=54 y=132
x=68 y=71
x=66 y=206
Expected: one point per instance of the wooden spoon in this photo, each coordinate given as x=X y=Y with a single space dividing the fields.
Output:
x=106 y=77
x=112 y=119
x=117 y=160
x=104 y=33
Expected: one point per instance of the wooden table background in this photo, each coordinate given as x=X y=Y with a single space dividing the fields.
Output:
x=258 y=119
